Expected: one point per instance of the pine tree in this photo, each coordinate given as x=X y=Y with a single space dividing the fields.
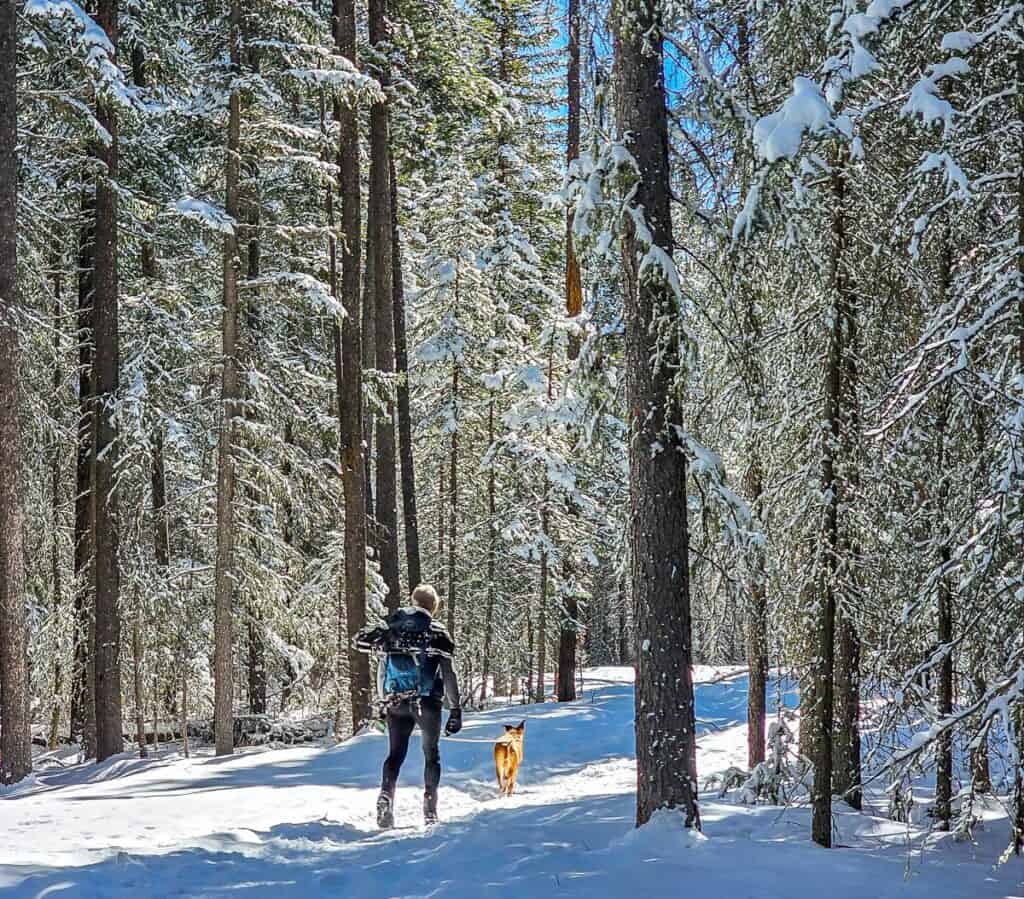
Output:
x=15 y=726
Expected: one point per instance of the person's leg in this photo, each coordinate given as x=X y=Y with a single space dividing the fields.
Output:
x=429 y=720
x=400 y=724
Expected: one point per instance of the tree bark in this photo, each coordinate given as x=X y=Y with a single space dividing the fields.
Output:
x=348 y=368
x=658 y=529
x=106 y=371
x=492 y=550
x=573 y=283
x=55 y=497
x=15 y=720
x=757 y=636
x=380 y=223
x=409 y=514
x=846 y=773
x=821 y=718
x=224 y=575
x=542 y=613
x=83 y=698
x=137 y=689
x=567 y=634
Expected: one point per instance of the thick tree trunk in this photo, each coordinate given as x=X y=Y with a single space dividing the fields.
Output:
x=567 y=638
x=15 y=721
x=224 y=581
x=567 y=634
x=821 y=718
x=380 y=225
x=83 y=698
x=409 y=515
x=756 y=635
x=348 y=343
x=658 y=530
x=846 y=773
x=106 y=370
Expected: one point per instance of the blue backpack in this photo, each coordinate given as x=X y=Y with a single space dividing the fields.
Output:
x=411 y=663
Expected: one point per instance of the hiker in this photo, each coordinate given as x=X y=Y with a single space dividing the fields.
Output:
x=414 y=674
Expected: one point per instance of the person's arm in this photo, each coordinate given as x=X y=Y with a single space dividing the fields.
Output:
x=451 y=684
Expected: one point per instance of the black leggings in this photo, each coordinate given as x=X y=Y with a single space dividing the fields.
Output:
x=402 y=718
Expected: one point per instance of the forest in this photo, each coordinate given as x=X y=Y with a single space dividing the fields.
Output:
x=651 y=333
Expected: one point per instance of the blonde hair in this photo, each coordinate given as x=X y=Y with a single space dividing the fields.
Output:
x=426 y=597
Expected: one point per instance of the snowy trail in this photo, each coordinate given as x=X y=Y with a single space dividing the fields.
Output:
x=300 y=823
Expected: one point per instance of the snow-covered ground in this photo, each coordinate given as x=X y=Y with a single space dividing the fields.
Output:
x=300 y=823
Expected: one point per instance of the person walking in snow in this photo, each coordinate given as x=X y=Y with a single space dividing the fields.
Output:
x=414 y=677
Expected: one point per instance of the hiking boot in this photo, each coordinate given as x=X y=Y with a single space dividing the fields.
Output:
x=429 y=810
x=385 y=813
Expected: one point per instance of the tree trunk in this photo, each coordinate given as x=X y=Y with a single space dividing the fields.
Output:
x=757 y=635
x=542 y=614
x=409 y=515
x=161 y=531
x=981 y=775
x=138 y=693
x=529 y=653
x=369 y=355
x=15 y=720
x=453 y=504
x=442 y=497
x=658 y=529
x=623 y=647
x=567 y=638
x=944 y=599
x=184 y=712
x=846 y=773
x=573 y=282
x=567 y=634
x=944 y=742
x=83 y=698
x=820 y=720
x=492 y=550
x=224 y=576
x=106 y=370
x=55 y=517
x=380 y=224
x=348 y=368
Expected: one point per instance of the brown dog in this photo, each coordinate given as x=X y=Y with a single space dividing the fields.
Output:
x=508 y=756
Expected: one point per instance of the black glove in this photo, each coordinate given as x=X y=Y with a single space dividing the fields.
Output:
x=454 y=724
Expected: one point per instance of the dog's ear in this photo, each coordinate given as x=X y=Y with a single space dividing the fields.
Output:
x=508 y=728
x=521 y=726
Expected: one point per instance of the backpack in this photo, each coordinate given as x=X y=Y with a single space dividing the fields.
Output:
x=413 y=644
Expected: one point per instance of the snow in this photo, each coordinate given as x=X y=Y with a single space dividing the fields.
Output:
x=779 y=134
x=208 y=215
x=299 y=822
